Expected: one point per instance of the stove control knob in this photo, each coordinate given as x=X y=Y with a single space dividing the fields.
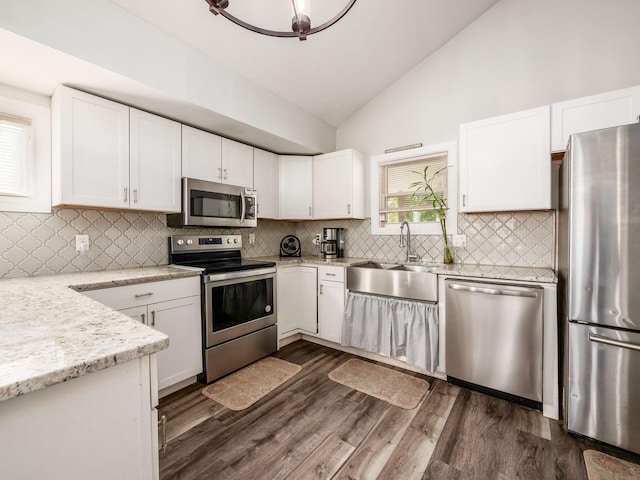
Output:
x=189 y=242
x=180 y=242
x=228 y=240
x=235 y=240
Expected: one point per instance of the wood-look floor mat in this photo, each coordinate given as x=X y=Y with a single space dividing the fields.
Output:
x=601 y=466
x=393 y=387
x=245 y=387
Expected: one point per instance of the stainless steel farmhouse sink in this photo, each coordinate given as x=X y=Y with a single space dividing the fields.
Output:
x=415 y=282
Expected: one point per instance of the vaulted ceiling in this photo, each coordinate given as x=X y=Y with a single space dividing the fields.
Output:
x=334 y=72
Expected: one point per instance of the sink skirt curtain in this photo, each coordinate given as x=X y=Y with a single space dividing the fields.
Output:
x=392 y=327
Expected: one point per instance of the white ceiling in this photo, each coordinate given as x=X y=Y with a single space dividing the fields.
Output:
x=334 y=72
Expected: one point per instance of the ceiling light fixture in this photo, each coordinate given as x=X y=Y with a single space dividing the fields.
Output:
x=300 y=23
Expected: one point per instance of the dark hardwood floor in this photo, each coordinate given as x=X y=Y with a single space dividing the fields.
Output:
x=314 y=428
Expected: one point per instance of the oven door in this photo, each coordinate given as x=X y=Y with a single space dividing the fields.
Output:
x=238 y=303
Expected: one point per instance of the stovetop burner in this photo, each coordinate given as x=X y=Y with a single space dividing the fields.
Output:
x=215 y=254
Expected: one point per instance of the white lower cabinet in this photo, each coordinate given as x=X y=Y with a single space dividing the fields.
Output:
x=311 y=300
x=330 y=310
x=172 y=307
x=297 y=300
x=100 y=426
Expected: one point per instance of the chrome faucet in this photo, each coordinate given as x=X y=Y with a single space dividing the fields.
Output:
x=410 y=256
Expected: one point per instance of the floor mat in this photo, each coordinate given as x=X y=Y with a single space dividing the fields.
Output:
x=245 y=387
x=396 y=388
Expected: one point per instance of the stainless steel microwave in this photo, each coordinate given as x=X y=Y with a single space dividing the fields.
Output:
x=210 y=204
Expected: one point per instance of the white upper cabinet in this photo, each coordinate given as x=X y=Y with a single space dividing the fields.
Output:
x=338 y=185
x=206 y=156
x=90 y=156
x=155 y=162
x=265 y=173
x=295 y=187
x=109 y=155
x=237 y=163
x=608 y=109
x=505 y=163
x=201 y=154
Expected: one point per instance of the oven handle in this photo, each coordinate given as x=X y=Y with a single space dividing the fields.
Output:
x=244 y=206
x=243 y=274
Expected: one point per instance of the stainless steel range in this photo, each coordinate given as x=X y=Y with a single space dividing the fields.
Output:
x=238 y=301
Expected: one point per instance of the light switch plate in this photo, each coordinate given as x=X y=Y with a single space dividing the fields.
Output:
x=252 y=238
x=460 y=240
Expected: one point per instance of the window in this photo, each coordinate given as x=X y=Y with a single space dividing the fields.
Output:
x=25 y=155
x=392 y=199
x=397 y=202
x=15 y=156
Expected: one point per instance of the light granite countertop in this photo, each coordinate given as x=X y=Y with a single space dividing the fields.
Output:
x=50 y=333
x=522 y=274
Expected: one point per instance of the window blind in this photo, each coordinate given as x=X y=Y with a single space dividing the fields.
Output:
x=15 y=156
x=397 y=202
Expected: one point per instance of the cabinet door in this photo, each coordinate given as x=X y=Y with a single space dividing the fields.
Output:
x=180 y=320
x=137 y=313
x=90 y=162
x=265 y=172
x=297 y=300
x=333 y=185
x=330 y=310
x=609 y=109
x=505 y=163
x=296 y=187
x=155 y=162
x=201 y=155
x=237 y=163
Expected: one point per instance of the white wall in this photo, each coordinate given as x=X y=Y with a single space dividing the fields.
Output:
x=520 y=54
x=103 y=34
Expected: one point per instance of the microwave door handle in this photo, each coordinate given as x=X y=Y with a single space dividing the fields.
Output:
x=244 y=206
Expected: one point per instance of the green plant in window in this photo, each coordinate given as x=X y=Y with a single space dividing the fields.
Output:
x=425 y=193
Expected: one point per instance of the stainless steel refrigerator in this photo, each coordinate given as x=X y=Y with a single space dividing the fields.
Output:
x=599 y=270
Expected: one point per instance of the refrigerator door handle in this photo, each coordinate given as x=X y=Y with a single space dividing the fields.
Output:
x=593 y=337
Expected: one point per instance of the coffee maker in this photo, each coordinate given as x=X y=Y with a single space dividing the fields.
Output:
x=332 y=243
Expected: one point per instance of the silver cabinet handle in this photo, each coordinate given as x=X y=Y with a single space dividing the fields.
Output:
x=593 y=337
x=349 y=208
x=126 y=194
x=140 y=295
x=309 y=211
x=143 y=318
x=493 y=291
x=464 y=200
x=135 y=195
x=321 y=289
x=162 y=424
x=220 y=173
x=330 y=274
x=225 y=173
x=153 y=318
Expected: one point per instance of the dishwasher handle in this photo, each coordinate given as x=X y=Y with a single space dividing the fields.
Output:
x=493 y=291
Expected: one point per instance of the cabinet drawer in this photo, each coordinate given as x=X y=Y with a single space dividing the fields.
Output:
x=334 y=274
x=129 y=296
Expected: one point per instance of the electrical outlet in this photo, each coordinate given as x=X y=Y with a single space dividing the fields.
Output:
x=252 y=238
x=460 y=240
x=82 y=243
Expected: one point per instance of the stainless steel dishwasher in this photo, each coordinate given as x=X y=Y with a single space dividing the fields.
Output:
x=494 y=339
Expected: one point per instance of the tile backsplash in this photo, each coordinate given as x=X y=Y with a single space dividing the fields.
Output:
x=42 y=244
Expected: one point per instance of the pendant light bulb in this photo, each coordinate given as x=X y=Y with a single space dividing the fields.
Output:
x=301 y=21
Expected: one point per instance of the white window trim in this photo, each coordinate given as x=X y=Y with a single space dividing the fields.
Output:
x=40 y=117
x=451 y=148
